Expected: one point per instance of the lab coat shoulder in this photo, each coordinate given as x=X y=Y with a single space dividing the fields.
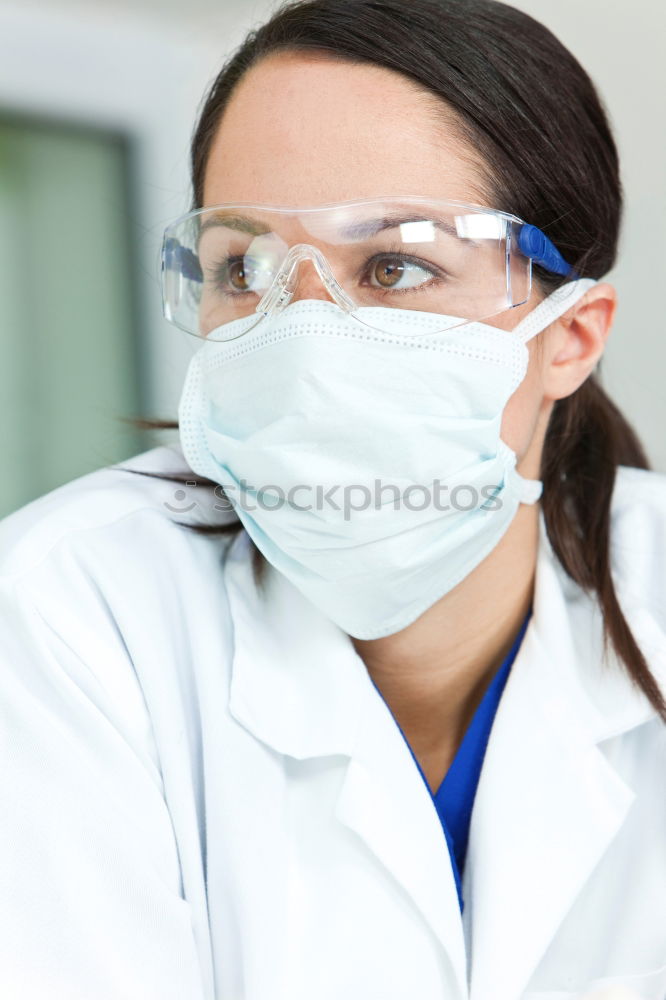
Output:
x=96 y=579
x=638 y=541
x=638 y=568
x=94 y=501
x=638 y=560
x=91 y=569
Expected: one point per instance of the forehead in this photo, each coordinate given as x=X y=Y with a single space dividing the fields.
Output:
x=308 y=129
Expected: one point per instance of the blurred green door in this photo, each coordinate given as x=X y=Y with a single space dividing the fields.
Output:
x=69 y=355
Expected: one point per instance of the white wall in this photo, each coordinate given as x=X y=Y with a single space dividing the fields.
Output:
x=142 y=65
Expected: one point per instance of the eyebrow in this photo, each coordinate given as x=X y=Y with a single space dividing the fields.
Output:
x=237 y=222
x=357 y=231
x=361 y=230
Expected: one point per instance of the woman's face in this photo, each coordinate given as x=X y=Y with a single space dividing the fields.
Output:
x=308 y=130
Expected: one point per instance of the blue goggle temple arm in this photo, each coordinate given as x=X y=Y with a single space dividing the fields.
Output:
x=536 y=245
x=180 y=258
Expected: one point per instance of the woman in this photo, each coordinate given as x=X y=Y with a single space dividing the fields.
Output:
x=241 y=755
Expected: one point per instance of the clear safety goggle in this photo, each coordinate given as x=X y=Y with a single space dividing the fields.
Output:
x=242 y=261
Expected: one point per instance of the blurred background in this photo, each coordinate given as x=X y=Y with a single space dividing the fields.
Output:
x=97 y=104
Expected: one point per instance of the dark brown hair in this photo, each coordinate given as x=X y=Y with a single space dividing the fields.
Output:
x=532 y=113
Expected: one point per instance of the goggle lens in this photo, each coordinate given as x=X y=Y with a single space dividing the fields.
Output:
x=227 y=263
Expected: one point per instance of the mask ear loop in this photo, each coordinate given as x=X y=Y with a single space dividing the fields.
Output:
x=552 y=308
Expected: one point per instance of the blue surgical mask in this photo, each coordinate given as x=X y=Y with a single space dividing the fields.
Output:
x=367 y=467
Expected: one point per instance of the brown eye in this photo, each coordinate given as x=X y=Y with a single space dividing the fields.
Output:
x=388 y=274
x=237 y=276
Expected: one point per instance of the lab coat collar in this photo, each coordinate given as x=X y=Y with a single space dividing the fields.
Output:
x=297 y=682
x=548 y=802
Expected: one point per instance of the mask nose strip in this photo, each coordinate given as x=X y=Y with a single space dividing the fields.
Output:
x=281 y=292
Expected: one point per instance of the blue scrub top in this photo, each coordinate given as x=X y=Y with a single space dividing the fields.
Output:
x=454 y=798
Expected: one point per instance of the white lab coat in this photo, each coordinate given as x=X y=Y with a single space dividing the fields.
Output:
x=204 y=796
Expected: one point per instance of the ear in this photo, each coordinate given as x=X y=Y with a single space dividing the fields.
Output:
x=577 y=341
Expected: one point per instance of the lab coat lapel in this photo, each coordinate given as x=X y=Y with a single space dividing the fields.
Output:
x=300 y=687
x=387 y=803
x=548 y=802
x=296 y=682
